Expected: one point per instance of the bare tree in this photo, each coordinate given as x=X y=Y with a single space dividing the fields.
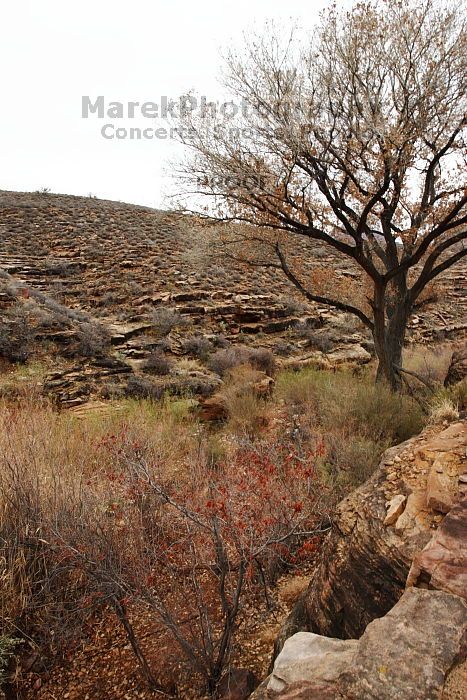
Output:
x=354 y=139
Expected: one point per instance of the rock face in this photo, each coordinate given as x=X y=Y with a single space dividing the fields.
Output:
x=237 y=684
x=406 y=654
x=458 y=368
x=389 y=595
x=307 y=655
x=354 y=354
x=443 y=562
x=364 y=566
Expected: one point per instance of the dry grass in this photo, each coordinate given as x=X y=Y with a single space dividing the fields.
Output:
x=45 y=460
x=71 y=505
x=443 y=410
x=355 y=419
x=56 y=477
x=22 y=382
x=431 y=363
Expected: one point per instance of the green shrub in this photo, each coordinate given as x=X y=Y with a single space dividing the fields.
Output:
x=359 y=406
x=369 y=409
x=349 y=462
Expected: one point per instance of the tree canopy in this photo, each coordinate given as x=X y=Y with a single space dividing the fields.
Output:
x=354 y=139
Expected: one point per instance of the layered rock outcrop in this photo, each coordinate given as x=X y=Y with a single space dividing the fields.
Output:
x=75 y=259
x=365 y=563
x=407 y=653
x=385 y=615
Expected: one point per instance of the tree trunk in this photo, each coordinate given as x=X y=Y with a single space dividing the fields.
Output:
x=389 y=342
x=387 y=361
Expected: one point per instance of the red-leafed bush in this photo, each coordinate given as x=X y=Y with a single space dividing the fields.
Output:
x=120 y=521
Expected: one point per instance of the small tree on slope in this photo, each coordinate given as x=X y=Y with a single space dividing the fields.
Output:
x=355 y=140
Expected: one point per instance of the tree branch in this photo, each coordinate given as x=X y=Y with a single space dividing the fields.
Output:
x=318 y=298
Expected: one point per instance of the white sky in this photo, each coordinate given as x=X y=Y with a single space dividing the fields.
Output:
x=54 y=51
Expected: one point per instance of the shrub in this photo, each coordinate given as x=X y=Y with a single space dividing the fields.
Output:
x=112 y=391
x=349 y=461
x=163 y=345
x=322 y=340
x=220 y=341
x=357 y=420
x=17 y=333
x=244 y=395
x=93 y=340
x=142 y=388
x=443 y=410
x=246 y=412
x=293 y=307
x=165 y=320
x=191 y=385
x=457 y=393
x=113 y=514
x=284 y=349
x=296 y=388
x=263 y=360
x=224 y=360
x=347 y=324
x=199 y=346
x=157 y=363
x=367 y=408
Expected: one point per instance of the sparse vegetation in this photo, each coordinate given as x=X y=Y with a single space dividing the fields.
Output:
x=225 y=360
x=323 y=340
x=199 y=346
x=93 y=340
x=165 y=320
x=138 y=387
x=443 y=409
x=17 y=333
x=129 y=515
x=263 y=359
x=430 y=363
x=157 y=363
x=456 y=394
x=356 y=419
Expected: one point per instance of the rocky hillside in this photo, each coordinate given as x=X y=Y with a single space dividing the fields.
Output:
x=101 y=279
x=392 y=581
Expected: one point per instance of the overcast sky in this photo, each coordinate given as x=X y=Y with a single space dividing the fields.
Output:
x=53 y=52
